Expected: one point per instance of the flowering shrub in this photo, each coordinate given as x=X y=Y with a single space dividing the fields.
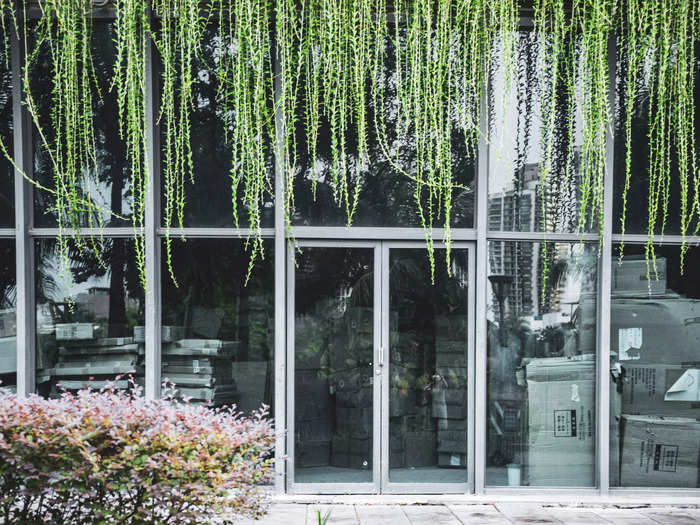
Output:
x=110 y=456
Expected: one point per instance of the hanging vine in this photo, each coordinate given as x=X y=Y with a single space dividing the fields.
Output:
x=62 y=35
x=132 y=41
x=178 y=38
x=406 y=78
x=246 y=98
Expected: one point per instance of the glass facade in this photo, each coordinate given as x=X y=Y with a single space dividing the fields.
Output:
x=112 y=194
x=541 y=398
x=519 y=199
x=388 y=374
x=87 y=315
x=217 y=335
x=655 y=369
x=7 y=175
x=8 y=314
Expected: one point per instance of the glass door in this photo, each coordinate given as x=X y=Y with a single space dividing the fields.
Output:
x=428 y=382
x=379 y=369
x=334 y=326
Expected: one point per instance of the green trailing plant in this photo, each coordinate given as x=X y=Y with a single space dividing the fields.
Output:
x=132 y=29
x=245 y=97
x=178 y=38
x=404 y=79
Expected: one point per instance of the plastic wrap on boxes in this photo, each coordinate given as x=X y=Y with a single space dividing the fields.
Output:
x=659 y=451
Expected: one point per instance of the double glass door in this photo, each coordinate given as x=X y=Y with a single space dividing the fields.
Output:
x=380 y=368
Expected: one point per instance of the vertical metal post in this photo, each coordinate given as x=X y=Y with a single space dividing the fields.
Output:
x=604 y=289
x=151 y=221
x=480 y=377
x=25 y=303
x=280 y=295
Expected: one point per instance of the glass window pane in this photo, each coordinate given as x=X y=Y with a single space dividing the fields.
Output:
x=8 y=318
x=333 y=375
x=86 y=317
x=7 y=184
x=209 y=199
x=218 y=330
x=637 y=217
x=113 y=191
x=386 y=194
x=541 y=364
x=518 y=199
x=655 y=358
x=428 y=376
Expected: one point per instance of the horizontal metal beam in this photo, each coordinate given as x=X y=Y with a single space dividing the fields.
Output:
x=635 y=238
x=371 y=233
x=7 y=232
x=83 y=232
x=542 y=236
x=215 y=232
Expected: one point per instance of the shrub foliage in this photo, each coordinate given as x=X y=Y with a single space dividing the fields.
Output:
x=110 y=456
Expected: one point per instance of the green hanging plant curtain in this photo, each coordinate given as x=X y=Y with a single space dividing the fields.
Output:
x=407 y=76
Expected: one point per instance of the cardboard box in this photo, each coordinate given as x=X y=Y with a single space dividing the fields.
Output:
x=659 y=390
x=659 y=451
x=420 y=448
x=561 y=421
x=630 y=275
x=316 y=453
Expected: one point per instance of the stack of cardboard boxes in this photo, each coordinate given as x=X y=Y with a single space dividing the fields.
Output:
x=561 y=421
x=449 y=394
x=655 y=393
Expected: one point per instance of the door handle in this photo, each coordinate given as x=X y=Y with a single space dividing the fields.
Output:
x=380 y=360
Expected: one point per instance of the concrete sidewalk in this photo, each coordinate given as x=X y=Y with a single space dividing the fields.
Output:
x=482 y=514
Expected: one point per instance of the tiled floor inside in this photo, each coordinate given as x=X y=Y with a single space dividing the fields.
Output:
x=496 y=514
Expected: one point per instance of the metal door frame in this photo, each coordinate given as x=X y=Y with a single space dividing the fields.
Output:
x=389 y=487
x=334 y=488
x=380 y=434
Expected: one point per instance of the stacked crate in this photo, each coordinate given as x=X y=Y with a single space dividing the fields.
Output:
x=352 y=438
x=313 y=420
x=201 y=370
x=85 y=358
x=449 y=400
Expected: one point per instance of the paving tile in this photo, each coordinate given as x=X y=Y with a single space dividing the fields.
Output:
x=381 y=515
x=283 y=514
x=430 y=515
x=576 y=516
x=671 y=516
x=622 y=516
x=526 y=513
x=479 y=514
x=339 y=514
